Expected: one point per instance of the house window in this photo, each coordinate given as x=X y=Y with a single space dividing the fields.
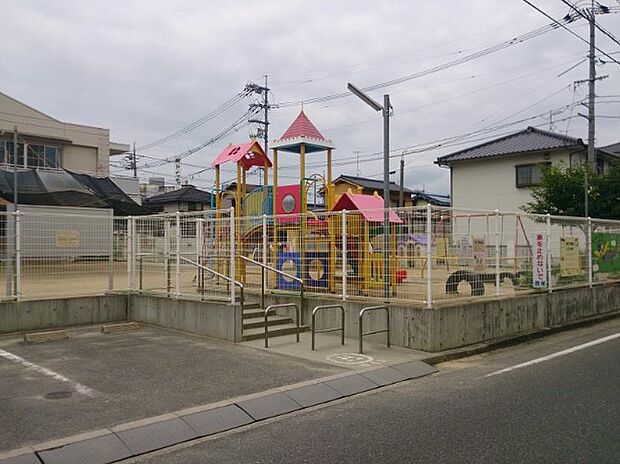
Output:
x=7 y=157
x=37 y=156
x=528 y=175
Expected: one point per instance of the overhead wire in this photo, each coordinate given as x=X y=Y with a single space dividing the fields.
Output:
x=470 y=57
x=197 y=123
x=566 y=19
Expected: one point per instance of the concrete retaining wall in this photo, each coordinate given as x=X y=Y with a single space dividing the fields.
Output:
x=24 y=316
x=214 y=319
x=459 y=325
x=472 y=322
x=437 y=329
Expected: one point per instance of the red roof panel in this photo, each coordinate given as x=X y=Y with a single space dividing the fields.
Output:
x=302 y=127
x=371 y=207
x=248 y=154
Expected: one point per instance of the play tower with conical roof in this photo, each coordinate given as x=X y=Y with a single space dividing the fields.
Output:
x=301 y=138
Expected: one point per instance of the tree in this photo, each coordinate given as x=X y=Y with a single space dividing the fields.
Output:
x=561 y=192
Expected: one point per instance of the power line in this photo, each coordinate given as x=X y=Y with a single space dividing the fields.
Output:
x=197 y=123
x=568 y=18
x=235 y=126
x=602 y=9
x=473 y=56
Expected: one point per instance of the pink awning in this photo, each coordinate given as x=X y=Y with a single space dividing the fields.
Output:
x=247 y=154
x=371 y=207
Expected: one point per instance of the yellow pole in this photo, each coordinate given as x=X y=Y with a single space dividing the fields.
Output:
x=218 y=194
x=244 y=185
x=303 y=209
x=328 y=187
x=237 y=217
x=331 y=226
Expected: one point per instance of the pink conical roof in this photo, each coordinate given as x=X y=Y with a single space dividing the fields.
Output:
x=302 y=127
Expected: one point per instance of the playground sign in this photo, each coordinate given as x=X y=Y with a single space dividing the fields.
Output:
x=606 y=252
x=539 y=273
x=569 y=257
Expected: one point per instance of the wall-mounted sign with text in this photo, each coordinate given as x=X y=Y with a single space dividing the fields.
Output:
x=539 y=273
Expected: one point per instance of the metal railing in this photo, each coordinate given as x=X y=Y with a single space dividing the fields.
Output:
x=279 y=306
x=264 y=267
x=220 y=275
x=336 y=329
x=361 y=320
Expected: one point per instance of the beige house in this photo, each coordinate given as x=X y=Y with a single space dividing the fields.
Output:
x=500 y=174
x=48 y=143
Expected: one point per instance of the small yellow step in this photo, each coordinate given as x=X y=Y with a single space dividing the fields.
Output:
x=119 y=327
x=48 y=336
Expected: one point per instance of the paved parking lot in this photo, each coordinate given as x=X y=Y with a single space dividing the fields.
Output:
x=92 y=380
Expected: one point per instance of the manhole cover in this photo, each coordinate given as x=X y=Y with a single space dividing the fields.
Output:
x=57 y=395
x=350 y=358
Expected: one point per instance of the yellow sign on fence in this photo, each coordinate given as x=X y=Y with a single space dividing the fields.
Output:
x=570 y=265
x=480 y=254
x=68 y=238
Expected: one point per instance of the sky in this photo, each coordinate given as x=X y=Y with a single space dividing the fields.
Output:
x=146 y=68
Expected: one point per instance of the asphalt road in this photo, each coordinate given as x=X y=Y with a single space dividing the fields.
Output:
x=561 y=410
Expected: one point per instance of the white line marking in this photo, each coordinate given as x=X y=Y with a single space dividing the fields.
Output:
x=78 y=387
x=556 y=355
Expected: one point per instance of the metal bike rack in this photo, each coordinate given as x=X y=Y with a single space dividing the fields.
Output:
x=341 y=328
x=279 y=306
x=386 y=330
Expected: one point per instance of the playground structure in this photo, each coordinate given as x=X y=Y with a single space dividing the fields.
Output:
x=273 y=224
x=281 y=245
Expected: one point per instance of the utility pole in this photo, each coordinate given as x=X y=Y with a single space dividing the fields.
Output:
x=134 y=164
x=401 y=193
x=591 y=156
x=591 y=91
x=177 y=171
x=263 y=90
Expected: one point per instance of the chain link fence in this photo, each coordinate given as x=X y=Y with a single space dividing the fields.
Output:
x=425 y=255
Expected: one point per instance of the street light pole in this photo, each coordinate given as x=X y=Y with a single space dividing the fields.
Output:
x=386 y=195
x=385 y=110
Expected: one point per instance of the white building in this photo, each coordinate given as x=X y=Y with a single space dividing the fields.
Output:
x=52 y=144
x=500 y=174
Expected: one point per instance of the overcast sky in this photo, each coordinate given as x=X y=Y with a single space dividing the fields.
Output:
x=147 y=68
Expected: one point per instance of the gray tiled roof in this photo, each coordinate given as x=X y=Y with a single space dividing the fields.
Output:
x=372 y=184
x=530 y=139
x=613 y=148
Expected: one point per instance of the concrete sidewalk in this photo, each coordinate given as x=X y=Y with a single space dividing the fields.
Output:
x=328 y=350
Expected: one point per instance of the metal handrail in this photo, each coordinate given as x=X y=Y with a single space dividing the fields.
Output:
x=336 y=329
x=264 y=266
x=278 y=306
x=217 y=274
x=386 y=330
x=258 y=263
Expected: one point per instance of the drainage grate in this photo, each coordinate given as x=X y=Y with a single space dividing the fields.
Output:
x=58 y=395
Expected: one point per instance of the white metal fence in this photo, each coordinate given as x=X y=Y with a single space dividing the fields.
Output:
x=433 y=254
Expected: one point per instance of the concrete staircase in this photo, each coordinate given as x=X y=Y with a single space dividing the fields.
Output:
x=254 y=323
